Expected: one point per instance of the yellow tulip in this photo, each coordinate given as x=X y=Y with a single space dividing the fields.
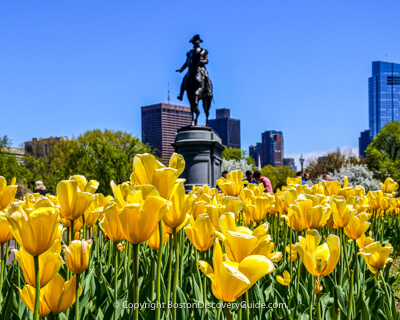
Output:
x=111 y=225
x=96 y=209
x=84 y=185
x=77 y=255
x=312 y=217
x=154 y=240
x=5 y=233
x=257 y=208
x=50 y=263
x=7 y=193
x=293 y=181
x=60 y=294
x=121 y=246
x=257 y=189
x=120 y=193
x=331 y=188
x=364 y=241
x=357 y=226
x=376 y=256
x=231 y=204
x=285 y=281
x=37 y=231
x=341 y=211
x=78 y=223
x=28 y=296
x=389 y=186
x=182 y=204
x=73 y=202
x=139 y=219
x=229 y=280
x=233 y=183
x=387 y=202
x=293 y=220
x=200 y=202
x=183 y=224
x=200 y=232
x=319 y=260
x=375 y=199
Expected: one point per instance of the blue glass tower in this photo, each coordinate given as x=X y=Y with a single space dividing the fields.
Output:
x=384 y=95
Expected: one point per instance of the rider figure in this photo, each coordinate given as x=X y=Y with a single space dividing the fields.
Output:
x=196 y=57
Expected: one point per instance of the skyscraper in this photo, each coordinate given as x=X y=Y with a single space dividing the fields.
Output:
x=290 y=162
x=384 y=95
x=272 y=148
x=363 y=142
x=160 y=122
x=255 y=153
x=227 y=128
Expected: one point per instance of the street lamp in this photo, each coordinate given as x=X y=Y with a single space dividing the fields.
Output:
x=301 y=162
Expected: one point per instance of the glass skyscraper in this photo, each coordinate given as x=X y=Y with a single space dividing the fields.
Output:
x=384 y=95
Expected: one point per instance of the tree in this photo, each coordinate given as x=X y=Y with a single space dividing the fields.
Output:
x=383 y=153
x=231 y=165
x=329 y=163
x=238 y=155
x=277 y=175
x=101 y=155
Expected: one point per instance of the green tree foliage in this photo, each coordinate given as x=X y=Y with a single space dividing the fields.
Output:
x=9 y=167
x=101 y=155
x=331 y=162
x=238 y=155
x=277 y=175
x=383 y=153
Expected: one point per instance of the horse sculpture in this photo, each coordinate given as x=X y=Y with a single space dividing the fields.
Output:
x=196 y=81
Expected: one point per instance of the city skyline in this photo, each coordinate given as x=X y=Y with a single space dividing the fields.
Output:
x=301 y=68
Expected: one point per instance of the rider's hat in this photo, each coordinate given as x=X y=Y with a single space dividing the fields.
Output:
x=195 y=38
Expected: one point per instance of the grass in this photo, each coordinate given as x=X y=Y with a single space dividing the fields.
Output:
x=395 y=271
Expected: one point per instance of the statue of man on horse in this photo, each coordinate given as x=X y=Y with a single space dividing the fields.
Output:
x=196 y=82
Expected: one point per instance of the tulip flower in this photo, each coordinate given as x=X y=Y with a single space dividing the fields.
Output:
x=312 y=217
x=319 y=260
x=181 y=205
x=28 y=296
x=121 y=247
x=364 y=241
x=139 y=219
x=77 y=255
x=7 y=193
x=376 y=256
x=357 y=226
x=60 y=294
x=293 y=181
x=257 y=189
x=154 y=240
x=200 y=202
x=50 y=263
x=78 y=223
x=389 y=186
x=331 y=188
x=73 y=201
x=375 y=199
x=200 y=232
x=294 y=253
x=5 y=233
x=257 y=208
x=229 y=280
x=111 y=225
x=293 y=220
x=233 y=183
x=285 y=281
x=37 y=231
x=341 y=211
x=84 y=185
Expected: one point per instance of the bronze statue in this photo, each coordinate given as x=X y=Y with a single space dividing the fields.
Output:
x=196 y=82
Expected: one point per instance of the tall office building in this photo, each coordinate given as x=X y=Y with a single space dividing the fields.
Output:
x=384 y=95
x=255 y=153
x=41 y=147
x=160 y=123
x=272 y=148
x=227 y=128
x=384 y=99
x=363 y=142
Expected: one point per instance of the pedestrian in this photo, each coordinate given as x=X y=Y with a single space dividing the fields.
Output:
x=306 y=177
x=249 y=177
x=40 y=188
x=326 y=177
x=264 y=180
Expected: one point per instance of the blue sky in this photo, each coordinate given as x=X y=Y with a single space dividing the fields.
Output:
x=301 y=67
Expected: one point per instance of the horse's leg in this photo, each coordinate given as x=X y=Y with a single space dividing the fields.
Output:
x=196 y=107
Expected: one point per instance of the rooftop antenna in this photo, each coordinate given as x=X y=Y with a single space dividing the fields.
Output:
x=168 y=94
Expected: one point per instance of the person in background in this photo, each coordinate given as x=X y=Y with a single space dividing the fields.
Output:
x=299 y=174
x=264 y=180
x=249 y=177
x=224 y=174
x=21 y=191
x=305 y=178
x=40 y=188
x=326 y=177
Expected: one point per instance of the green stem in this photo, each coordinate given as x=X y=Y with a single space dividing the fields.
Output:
x=3 y=262
x=227 y=313
x=349 y=310
x=37 y=283
x=318 y=307
x=291 y=253
x=78 y=280
x=247 y=304
x=72 y=230
x=384 y=285
x=158 y=276
x=115 y=277
x=136 y=279
x=311 y=297
x=297 y=285
x=284 y=244
x=176 y=272
x=84 y=227
x=169 y=271
x=110 y=251
x=345 y=252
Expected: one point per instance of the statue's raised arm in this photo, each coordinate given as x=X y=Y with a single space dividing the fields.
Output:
x=196 y=81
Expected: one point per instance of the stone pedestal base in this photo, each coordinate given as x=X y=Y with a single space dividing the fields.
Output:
x=201 y=148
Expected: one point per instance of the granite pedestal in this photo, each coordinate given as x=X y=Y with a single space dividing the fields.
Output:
x=201 y=148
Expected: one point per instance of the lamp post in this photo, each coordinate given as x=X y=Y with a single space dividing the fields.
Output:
x=301 y=162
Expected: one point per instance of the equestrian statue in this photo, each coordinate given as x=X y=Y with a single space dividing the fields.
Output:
x=196 y=82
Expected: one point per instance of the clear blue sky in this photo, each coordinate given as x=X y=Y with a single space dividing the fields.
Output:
x=301 y=67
